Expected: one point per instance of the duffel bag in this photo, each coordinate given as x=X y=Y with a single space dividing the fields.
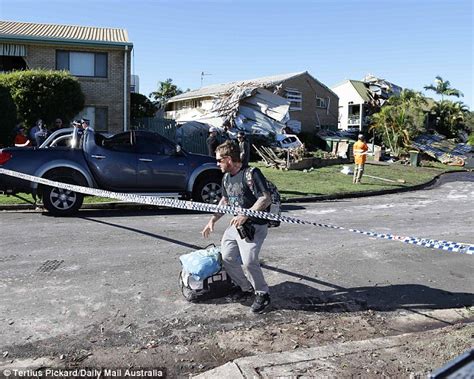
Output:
x=202 y=276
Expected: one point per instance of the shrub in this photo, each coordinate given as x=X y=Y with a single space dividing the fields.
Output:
x=141 y=106
x=44 y=94
x=7 y=116
x=470 y=140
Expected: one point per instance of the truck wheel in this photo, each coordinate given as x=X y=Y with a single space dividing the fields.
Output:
x=59 y=201
x=208 y=190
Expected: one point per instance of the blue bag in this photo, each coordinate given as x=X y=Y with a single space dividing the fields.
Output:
x=201 y=264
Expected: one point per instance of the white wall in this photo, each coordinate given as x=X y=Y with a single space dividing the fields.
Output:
x=346 y=93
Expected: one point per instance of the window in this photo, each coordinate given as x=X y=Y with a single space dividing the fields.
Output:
x=120 y=142
x=12 y=63
x=154 y=144
x=321 y=103
x=82 y=64
x=101 y=119
x=296 y=99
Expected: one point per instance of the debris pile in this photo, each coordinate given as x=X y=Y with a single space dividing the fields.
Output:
x=248 y=107
x=281 y=158
x=446 y=151
x=379 y=90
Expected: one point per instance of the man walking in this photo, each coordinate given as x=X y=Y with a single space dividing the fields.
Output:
x=360 y=156
x=244 y=146
x=244 y=237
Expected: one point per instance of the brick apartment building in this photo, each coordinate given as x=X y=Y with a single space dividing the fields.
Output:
x=98 y=57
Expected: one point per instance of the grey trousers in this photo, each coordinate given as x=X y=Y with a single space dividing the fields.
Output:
x=240 y=258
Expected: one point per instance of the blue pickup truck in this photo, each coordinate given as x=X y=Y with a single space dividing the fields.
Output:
x=134 y=161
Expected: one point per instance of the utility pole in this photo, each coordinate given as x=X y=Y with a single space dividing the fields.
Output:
x=202 y=76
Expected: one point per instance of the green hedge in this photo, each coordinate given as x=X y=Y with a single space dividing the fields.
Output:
x=44 y=94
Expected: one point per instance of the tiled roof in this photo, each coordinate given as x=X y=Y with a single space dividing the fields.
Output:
x=218 y=89
x=87 y=34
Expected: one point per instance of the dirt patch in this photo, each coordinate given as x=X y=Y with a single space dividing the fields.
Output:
x=190 y=345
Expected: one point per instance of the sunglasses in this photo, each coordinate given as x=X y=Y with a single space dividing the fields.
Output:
x=219 y=160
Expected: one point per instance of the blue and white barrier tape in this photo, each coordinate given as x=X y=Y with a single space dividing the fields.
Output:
x=212 y=208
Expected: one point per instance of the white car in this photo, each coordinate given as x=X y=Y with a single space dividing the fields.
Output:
x=288 y=141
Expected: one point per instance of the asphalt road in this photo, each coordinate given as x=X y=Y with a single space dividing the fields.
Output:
x=113 y=270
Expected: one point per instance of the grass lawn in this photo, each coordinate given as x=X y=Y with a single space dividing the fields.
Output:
x=329 y=180
x=322 y=181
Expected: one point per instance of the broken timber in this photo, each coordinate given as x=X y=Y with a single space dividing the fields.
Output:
x=285 y=159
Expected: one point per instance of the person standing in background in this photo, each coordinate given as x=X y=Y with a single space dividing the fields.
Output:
x=35 y=129
x=360 y=156
x=244 y=146
x=86 y=124
x=41 y=133
x=21 y=140
x=212 y=141
x=179 y=134
x=58 y=124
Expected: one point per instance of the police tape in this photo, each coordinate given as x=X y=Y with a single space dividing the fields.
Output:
x=452 y=246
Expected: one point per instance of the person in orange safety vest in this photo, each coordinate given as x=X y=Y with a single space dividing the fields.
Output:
x=360 y=156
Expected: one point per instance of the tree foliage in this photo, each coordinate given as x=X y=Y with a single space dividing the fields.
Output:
x=469 y=121
x=400 y=119
x=141 y=106
x=44 y=94
x=165 y=91
x=443 y=88
x=451 y=117
x=7 y=116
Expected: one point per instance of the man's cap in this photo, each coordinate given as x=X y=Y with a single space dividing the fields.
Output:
x=360 y=136
x=85 y=120
x=212 y=129
x=241 y=134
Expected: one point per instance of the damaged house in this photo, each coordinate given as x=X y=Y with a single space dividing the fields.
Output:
x=265 y=105
x=358 y=98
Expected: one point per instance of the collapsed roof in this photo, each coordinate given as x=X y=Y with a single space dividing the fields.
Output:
x=246 y=106
x=219 y=89
x=375 y=91
x=437 y=146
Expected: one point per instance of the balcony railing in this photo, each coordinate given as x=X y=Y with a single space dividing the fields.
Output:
x=353 y=120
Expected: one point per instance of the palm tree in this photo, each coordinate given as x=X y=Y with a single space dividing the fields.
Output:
x=443 y=88
x=166 y=90
x=383 y=123
x=450 y=117
x=400 y=119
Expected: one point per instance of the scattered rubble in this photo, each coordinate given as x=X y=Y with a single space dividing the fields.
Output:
x=446 y=151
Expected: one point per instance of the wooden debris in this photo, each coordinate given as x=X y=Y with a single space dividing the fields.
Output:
x=280 y=158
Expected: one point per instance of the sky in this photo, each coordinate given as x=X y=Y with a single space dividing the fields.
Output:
x=407 y=42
